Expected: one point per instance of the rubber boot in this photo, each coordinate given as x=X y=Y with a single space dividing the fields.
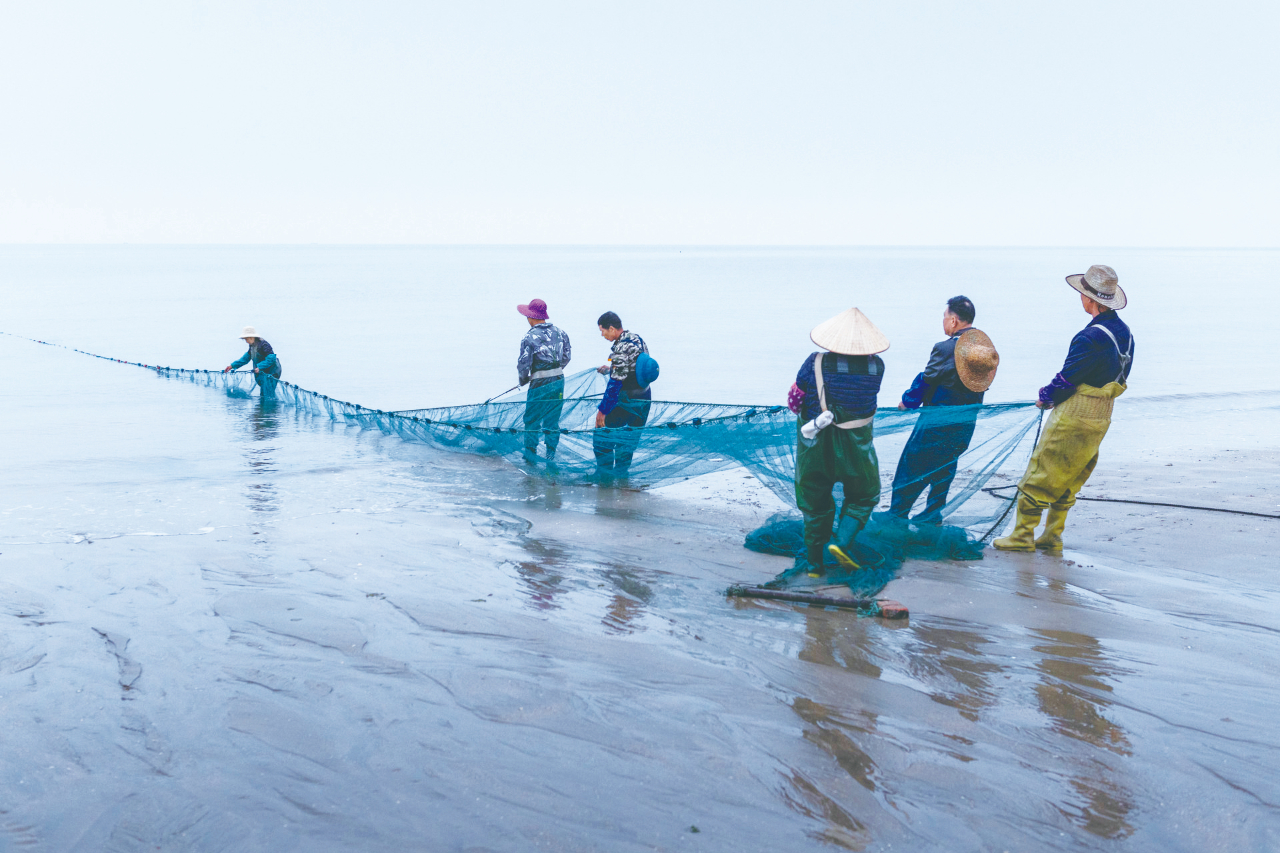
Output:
x=1051 y=539
x=842 y=548
x=1021 y=539
x=813 y=556
x=552 y=467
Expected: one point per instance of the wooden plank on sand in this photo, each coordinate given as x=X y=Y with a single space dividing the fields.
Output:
x=826 y=596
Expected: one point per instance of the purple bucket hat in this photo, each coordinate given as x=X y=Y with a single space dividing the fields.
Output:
x=535 y=310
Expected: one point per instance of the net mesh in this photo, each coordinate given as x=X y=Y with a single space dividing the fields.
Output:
x=684 y=440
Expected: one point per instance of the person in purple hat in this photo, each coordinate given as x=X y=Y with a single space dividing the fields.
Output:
x=544 y=352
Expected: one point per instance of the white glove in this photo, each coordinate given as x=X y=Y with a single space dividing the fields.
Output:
x=822 y=421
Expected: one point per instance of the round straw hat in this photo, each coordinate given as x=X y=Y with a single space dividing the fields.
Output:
x=850 y=333
x=976 y=360
x=249 y=332
x=1101 y=285
x=536 y=309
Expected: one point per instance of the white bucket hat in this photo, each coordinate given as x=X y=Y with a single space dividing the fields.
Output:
x=850 y=333
x=1102 y=285
x=249 y=332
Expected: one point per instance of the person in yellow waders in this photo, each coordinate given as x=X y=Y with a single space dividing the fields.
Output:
x=1081 y=396
x=835 y=397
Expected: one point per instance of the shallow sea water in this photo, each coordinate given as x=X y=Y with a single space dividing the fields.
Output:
x=230 y=627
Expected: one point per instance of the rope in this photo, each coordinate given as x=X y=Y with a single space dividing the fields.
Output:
x=364 y=411
x=1012 y=502
x=503 y=394
x=992 y=491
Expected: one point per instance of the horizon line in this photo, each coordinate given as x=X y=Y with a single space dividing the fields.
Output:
x=829 y=246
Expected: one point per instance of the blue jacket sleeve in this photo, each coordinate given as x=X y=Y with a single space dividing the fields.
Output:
x=241 y=361
x=913 y=398
x=568 y=349
x=1056 y=391
x=270 y=364
x=810 y=408
x=611 y=392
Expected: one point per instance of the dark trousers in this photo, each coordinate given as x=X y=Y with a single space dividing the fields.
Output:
x=542 y=408
x=615 y=444
x=844 y=456
x=267 y=383
x=929 y=460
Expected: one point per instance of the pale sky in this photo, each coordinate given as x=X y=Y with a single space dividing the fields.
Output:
x=807 y=123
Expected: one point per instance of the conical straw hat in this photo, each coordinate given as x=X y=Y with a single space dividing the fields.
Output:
x=850 y=333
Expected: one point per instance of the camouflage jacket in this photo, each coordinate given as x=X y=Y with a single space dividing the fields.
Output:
x=544 y=347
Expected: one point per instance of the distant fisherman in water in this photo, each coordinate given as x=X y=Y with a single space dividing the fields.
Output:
x=544 y=352
x=266 y=366
x=835 y=397
x=959 y=371
x=625 y=403
x=1082 y=396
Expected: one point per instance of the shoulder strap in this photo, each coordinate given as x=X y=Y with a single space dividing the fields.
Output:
x=822 y=397
x=817 y=375
x=1125 y=357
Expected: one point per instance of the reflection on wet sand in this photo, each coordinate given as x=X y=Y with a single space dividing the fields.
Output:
x=1073 y=694
x=628 y=602
x=842 y=828
x=838 y=640
x=963 y=668
x=954 y=655
x=263 y=423
x=544 y=581
x=540 y=577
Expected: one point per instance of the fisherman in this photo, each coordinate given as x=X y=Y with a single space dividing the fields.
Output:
x=1081 y=396
x=835 y=397
x=266 y=365
x=544 y=352
x=958 y=373
x=624 y=409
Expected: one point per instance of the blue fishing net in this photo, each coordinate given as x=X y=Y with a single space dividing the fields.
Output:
x=988 y=444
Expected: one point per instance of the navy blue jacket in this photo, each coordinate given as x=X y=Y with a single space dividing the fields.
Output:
x=851 y=382
x=1093 y=359
x=940 y=372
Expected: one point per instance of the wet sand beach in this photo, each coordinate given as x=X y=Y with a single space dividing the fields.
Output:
x=225 y=626
x=558 y=669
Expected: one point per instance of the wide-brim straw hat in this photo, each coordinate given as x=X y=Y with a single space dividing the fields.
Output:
x=1102 y=285
x=850 y=333
x=976 y=360
x=249 y=332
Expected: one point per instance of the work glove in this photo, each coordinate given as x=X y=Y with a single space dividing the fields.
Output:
x=822 y=421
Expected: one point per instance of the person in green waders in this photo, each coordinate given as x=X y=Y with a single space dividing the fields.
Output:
x=835 y=398
x=1081 y=396
x=266 y=365
x=544 y=352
